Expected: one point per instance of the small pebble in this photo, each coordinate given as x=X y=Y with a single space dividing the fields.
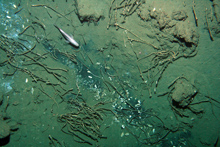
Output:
x=126 y=134
x=122 y=134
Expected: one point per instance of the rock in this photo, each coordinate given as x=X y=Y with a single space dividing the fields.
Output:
x=144 y=12
x=162 y=19
x=90 y=10
x=185 y=33
x=179 y=15
x=13 y=125
x=4 y=129
x=183 y=93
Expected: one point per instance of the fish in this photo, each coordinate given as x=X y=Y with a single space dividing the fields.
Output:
x=69 y=38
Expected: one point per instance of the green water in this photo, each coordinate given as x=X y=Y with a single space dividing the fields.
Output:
x=150 y=65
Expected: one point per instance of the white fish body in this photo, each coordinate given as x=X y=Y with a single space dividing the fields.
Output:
x=68 y=37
